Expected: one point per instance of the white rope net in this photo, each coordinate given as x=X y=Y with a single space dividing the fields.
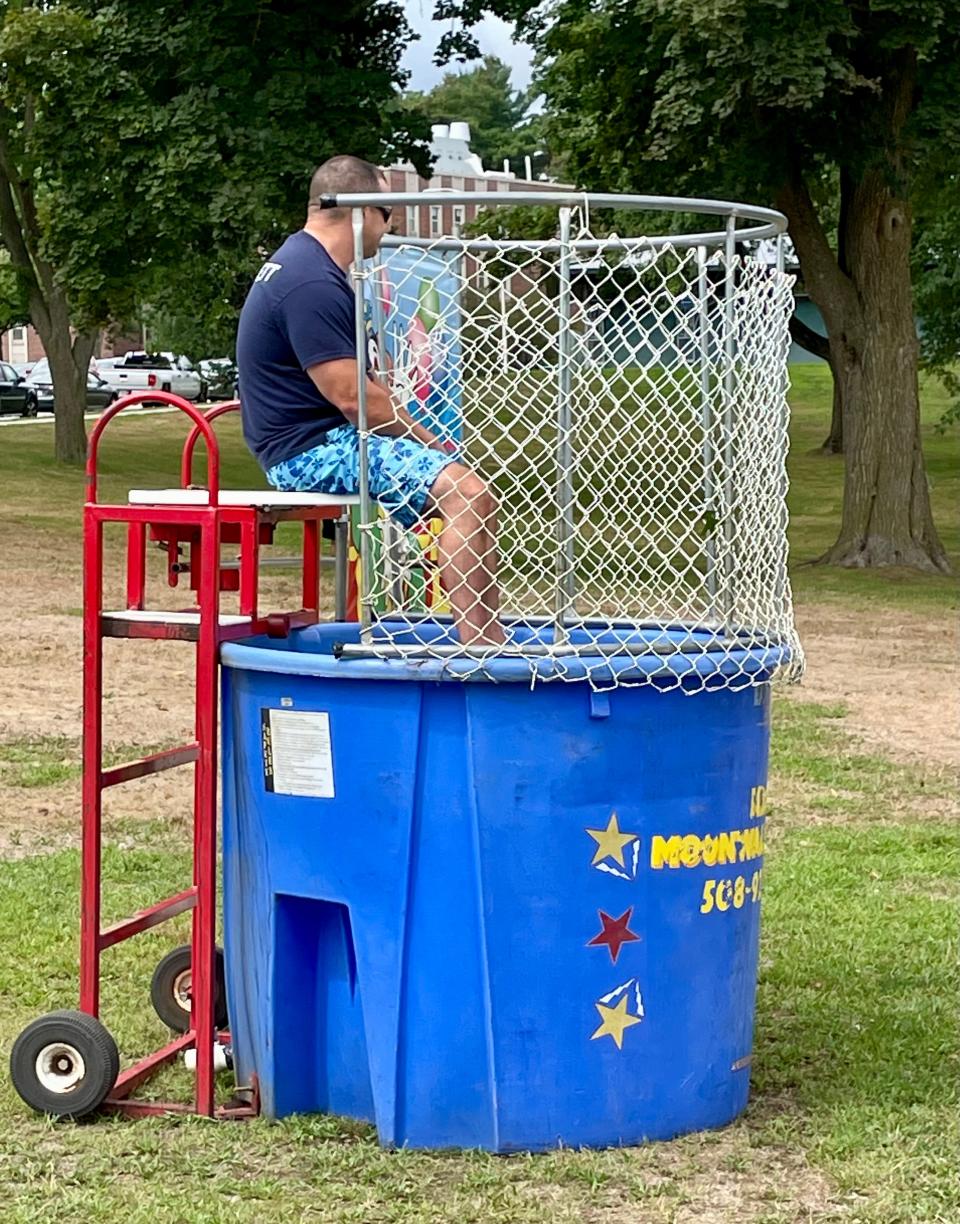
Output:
x=624 y=407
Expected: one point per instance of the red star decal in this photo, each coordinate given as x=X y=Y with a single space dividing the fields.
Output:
x=615 y=933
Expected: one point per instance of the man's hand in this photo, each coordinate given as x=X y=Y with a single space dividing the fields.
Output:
x=337 y=382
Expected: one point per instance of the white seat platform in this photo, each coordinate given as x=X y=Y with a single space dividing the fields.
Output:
x=147 y=617
x=260 y=498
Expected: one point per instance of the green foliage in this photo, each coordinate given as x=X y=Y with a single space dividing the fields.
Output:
x=13 y=298
x=843 y=114
x=193 y=307
x=500 y=126
x=163 y=147
x=733 y=95
x=521 y=221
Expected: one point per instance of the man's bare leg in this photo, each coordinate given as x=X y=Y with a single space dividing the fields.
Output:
x=468 y=554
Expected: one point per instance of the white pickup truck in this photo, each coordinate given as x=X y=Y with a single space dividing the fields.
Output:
x=152 y=372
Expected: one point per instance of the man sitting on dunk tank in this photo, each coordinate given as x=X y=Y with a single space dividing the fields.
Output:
x=297 y=364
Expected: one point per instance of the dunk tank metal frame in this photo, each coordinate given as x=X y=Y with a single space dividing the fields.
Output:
x=195 y=523
x=686 y=389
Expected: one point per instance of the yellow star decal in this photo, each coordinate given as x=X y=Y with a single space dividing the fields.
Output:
x=615 y=1021
x=610 y=841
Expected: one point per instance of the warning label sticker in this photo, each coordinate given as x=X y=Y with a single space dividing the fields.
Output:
x=297 y=755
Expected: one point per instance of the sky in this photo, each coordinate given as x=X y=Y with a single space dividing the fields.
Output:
x=493 y=35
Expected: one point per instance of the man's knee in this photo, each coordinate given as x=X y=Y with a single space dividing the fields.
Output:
x=458 y=486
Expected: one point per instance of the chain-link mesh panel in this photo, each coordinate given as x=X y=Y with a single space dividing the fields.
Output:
x=615 y=419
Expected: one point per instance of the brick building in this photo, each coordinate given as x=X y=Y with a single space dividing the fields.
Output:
x=22 y=346
x=455 y=169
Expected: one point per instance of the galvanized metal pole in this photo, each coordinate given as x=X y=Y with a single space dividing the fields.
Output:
x=504 y=341
x=453 y=309
x=389 y=536
x=564 y=595
x=379 y=318
x=780 y=591
x=359 y=275
x=729 y=350
x=342 y=545
x=706 y=424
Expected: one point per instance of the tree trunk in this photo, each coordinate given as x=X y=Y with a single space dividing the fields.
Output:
x=886 y=501
x=867 y=307
x=833 y=442
x=69 y=358
x=821 y=347
x=844 y=367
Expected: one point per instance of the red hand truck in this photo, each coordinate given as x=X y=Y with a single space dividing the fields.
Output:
x=66 y=1063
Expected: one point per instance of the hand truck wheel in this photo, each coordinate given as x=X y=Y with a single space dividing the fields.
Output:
x=172 y=988
x=64 y=1064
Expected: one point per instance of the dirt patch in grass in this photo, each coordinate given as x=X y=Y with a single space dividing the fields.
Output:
x=897 y=672
x=717 y=1178
x=147 y=685
x=148 y=691
x=45 y=819
x=795 y=803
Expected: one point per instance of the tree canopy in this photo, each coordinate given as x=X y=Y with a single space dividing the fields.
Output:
x=152 y=149
x=840 y=114
x=500 y=123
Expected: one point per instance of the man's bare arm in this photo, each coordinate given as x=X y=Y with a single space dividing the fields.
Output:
x=337 y=382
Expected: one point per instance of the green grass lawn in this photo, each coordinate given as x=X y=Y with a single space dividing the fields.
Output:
x=39 y=497
x=854 y=1112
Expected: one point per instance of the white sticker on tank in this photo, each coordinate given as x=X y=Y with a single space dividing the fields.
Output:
x=302 y=755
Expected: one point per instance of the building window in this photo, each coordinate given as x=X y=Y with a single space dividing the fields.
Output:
x=459 y=216
x=19 y=333
x=435 y=220
x=413 y=221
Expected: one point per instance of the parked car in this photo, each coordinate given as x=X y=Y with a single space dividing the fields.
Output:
x=23 y=367
x=148 y=372
x=220 y=374
x=40 y=379
x=99 y=393
x=186 y=367
x=16 y=395
x=39 y=374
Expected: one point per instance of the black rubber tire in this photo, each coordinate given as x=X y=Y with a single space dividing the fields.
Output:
x=30 y=406
x=166 y=992
x=88 y=1038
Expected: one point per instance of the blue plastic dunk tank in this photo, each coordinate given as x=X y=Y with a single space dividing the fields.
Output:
x=480 y=914
x=478 y=906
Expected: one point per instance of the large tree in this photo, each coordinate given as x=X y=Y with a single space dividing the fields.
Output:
x=139 y=139
x=769 y=100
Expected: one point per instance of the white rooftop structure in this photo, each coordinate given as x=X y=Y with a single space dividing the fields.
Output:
x=450 y=146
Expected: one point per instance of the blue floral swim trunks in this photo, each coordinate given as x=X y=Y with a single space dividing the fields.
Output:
x=401 y=471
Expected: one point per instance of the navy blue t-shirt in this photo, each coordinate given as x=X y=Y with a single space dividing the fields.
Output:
x=299 y=312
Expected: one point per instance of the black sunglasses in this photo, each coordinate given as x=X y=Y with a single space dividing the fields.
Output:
x=384 y=211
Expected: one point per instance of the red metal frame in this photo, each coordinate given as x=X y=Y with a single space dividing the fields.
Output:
x=202 y=529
